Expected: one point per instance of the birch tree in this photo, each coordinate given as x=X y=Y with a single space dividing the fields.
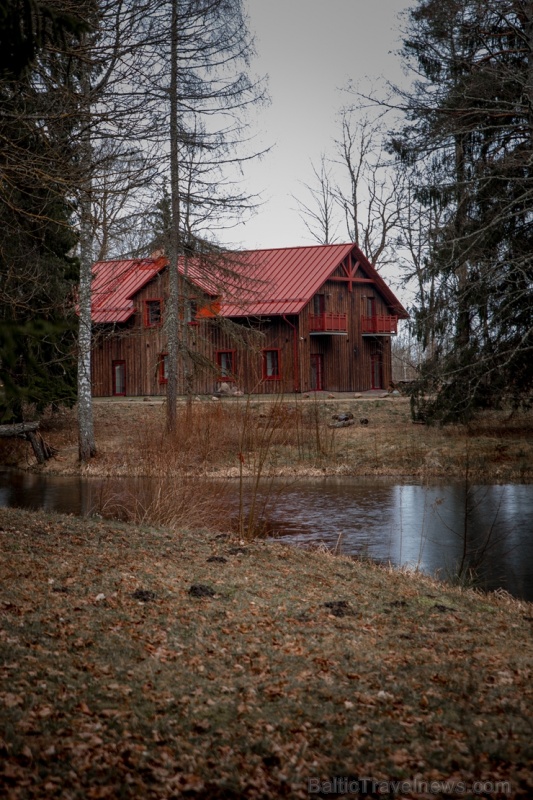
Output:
x=114 y=112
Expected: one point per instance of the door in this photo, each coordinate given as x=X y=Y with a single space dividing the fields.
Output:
x=119 y=378
x=317 y=371
x=376 y=377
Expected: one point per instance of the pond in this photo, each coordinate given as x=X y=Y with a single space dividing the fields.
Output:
x=437 y=528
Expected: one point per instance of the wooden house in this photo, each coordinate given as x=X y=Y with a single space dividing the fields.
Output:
x=274 y=321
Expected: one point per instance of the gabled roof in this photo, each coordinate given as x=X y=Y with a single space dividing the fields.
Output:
x=282 y=281
x=253 y=283
x=115 y=283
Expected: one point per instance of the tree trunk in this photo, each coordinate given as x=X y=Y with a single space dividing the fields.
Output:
x=86 y=443
x=27 y=430
x=172 y=314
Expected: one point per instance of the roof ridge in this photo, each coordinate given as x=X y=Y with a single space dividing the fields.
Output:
x=296 y=247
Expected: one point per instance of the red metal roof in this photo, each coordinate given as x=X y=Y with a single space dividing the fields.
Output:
x=253 y=283
x=116 y=282
x=282 y=281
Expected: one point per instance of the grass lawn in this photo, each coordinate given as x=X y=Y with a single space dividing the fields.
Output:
x=154 y=663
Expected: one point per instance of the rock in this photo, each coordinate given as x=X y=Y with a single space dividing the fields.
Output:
x=363 y=421
x=237 y=551
x=201 y=590
x=343 y=416
x=340 y=608
x=144 y=595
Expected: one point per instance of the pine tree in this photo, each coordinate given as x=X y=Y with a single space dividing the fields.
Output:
x=37 y=272
x=469 y=134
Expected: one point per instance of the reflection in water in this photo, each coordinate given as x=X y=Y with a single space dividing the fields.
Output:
x=435 y=528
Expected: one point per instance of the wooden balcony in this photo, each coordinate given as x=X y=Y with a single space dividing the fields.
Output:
x=379 y=325
x=327 y=323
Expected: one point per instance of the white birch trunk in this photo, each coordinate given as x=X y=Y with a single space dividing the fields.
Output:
x=86 y=443
x=87 y=446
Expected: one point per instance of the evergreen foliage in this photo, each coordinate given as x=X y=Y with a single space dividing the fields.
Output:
x=468 y=138
x=37 y=272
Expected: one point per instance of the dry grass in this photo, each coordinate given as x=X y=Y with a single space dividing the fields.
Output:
x=149 y=663
x=291 y=436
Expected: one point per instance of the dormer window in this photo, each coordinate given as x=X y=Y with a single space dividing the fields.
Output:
x=152 y=313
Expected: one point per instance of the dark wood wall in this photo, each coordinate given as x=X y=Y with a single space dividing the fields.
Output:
x=347 y=359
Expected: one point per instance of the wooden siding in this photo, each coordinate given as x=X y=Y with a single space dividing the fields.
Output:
x=346 y=358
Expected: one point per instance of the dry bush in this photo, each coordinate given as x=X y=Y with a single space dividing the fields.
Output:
x=219 y=434
x=185 y=502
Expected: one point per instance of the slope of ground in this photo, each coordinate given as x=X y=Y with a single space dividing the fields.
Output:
x=150 y=663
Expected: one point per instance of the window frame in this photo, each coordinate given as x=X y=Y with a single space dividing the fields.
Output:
x=147 y=315
x=221 y=375
x=191 y=311
x=162 y=372
x=118 y=362
x=277 y=351
x=319 y=304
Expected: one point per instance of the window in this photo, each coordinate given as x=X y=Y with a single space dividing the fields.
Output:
x=271 y=361
x=152 y=313
x=163 y=368
x=319 y=305
x=191 y=311
x=226 y=364
x=119 y=378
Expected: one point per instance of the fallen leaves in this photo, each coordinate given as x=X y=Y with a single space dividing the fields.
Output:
x=213 y=675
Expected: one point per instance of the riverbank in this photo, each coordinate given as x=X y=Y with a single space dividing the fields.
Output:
x=155 y=663
x=288 y=436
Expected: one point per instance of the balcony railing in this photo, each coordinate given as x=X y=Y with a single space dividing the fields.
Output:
x=328 y=323
x=379 y=325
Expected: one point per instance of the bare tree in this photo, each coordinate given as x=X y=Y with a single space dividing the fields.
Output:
x=369 y=191
x=319 y=214
x=115 y=154
x=357 y=189
x=206 y=46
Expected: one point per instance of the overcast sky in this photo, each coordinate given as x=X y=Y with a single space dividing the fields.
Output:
x=309 y=49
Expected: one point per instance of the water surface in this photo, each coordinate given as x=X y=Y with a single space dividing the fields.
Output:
x=436 y=528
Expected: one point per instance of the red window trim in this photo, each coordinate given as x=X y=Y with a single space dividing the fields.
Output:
x=276 y=377
x=115 y=363
x=222 y=377
x=147 y=323
x=162 y=378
